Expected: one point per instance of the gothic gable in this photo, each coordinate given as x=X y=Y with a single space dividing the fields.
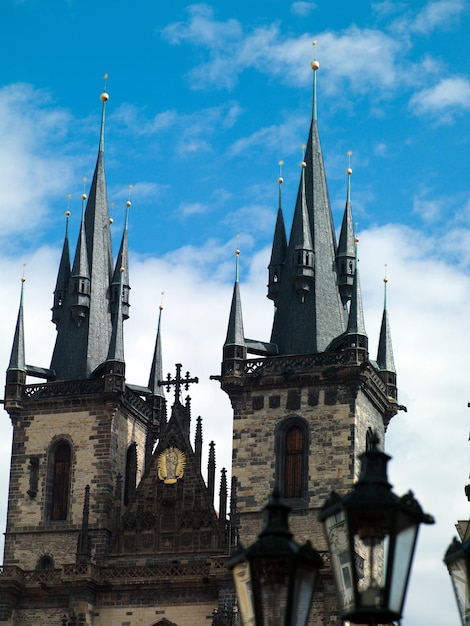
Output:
x=171 y=512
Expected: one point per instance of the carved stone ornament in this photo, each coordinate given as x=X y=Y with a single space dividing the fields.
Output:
x=171 y=464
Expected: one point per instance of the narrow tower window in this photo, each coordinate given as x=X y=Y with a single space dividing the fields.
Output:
x=292 y=459
x=293 y=463
x=60 y=482
x=131 y=473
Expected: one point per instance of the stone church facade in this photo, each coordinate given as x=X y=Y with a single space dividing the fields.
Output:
x=110 y=521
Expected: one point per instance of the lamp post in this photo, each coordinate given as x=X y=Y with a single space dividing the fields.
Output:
x=275 y=577
x=457 y=559
x=371 y=535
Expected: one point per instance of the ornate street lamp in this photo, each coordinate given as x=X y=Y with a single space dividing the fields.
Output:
x=275 y=577
x=457 y=559
x=371 y=534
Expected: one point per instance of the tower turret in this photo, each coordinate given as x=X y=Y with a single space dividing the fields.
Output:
x=84 y=329
x=63 y=276
x=121 y=271
x=278 y=253
x=234 y=350
x=345 y=257
x=308 y=325
x=16 y=372
x=385 y=359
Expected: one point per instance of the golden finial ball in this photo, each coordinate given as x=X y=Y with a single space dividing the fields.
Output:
x=280 y=180
x=104 y=97
x=67 y=213
x=23 y=279
x=237 y=251
x=315 y=65
x=161 y=307
x=385 y=280
x=349 y=171
x=128 y=203
x=110 y=220
x=303 y=165
x=83 y=196
x=356 y=239
x=122 y=270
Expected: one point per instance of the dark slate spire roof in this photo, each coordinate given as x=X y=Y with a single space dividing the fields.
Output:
x=156 y=370
x=309 y=326
x=17 y=357
x=116 y=344
x=356 y=324
x=63 y=276
x=385 y=352
x=279 y=249
x=83 y=340
x=235 y=333
x=119 y=276
x=346 y=248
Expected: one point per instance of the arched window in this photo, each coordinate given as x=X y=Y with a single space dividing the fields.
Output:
x=131 y=473
x=292 y=459
x=45 y=563
x=60 y=482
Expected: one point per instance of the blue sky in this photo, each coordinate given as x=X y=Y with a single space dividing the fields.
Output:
x=205 y=99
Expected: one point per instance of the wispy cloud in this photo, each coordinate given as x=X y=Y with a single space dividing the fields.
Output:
x=447 y=98
x=302 y=8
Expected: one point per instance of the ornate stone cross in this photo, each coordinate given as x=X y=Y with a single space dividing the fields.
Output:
x=178 y=381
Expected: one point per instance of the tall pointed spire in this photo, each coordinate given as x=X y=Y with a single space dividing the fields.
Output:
x=279 y=249
x=17 y=356
x=309 y=326
x=385 y=359
x=63 y=275
x=83 y=336
x=116 y=344
x=122 y=263
x=156 y=370
x=234 y=349
x=345 y=257
x=356 y=326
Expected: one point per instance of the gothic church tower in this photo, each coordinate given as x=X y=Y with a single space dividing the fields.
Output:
x=303 y=405
x=109 y=518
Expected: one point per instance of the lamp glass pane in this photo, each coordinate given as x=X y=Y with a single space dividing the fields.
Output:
x=244 y=589
x=304 y=586
x=459 y=574
x=369 y=564
x=400 y=564
x=272 y=576
x=341 y=561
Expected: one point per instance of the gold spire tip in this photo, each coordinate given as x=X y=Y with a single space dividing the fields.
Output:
x=128 y=203
x=349 y=170
x=314 y=64
x=161 y=301
x=111 y=220
x=122 y=270
x=83 y=196
x=67 y=213
x=104 y=96
x=303 y=165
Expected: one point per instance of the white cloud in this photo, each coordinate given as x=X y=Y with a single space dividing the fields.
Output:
x=302 y=8
x=437 y=15
x=443 y=100
x=30 y=131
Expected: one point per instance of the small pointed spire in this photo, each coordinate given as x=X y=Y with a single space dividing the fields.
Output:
x=63 y=275
x=198 y=442
x=17 y=357
x=83 y=544
x=385 y=359
x=223 y=498
x=235 y=334
x=116 y=345
x=80 y=274
x=122 y=261
x=356 y=324
x=156 y=370
x=278 y=253
x=211 y=471
x=300 y=243
x=346 y=254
